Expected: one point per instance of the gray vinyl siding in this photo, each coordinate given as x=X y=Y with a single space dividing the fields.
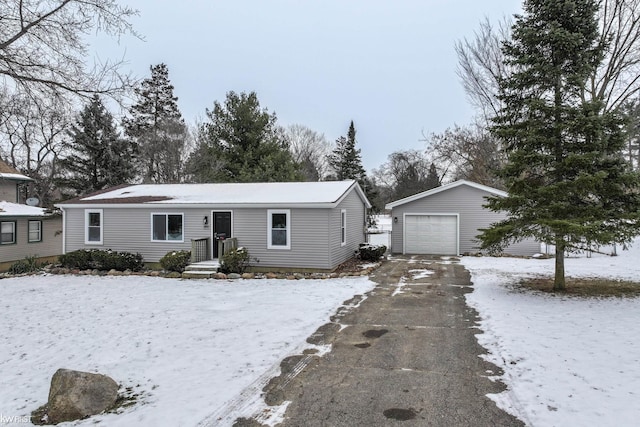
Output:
x=309 y=239
x=315 y=233
x=355 y=210
x=8 y=191
x=50 y=245
x=467 y=202
x=129 y=230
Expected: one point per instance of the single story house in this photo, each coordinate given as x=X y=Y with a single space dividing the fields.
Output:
x=446 y=220
x=25 y=231
x=292 y=225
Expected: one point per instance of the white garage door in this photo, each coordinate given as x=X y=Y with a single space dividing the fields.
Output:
x=431 y=234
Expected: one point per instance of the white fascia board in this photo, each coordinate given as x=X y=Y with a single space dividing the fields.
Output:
x=156 y=205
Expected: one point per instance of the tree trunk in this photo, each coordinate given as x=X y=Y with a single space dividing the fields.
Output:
x=558 y=281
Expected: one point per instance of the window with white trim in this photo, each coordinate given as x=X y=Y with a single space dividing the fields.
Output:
x=279 y=229
x=35 y=231
x=343 y=227
x=7 y=232
x=167 y=227
x=93 y=226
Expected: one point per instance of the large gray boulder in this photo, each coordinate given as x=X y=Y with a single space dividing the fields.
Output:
x=75 y=395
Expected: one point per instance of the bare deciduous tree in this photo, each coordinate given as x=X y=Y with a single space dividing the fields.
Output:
x=310 y=149
x=44 y=49
x=481 y=65
x=468 y=152
x=31 y=139
x=406 y=173
x=614 y=82
x=617 y=79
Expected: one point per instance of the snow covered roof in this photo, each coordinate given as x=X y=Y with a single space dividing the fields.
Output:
x=8 y=172
x=8 y=209
x=446 y=187
x=264 y=194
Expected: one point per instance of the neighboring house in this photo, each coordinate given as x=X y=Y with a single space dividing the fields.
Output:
x=295 y=225
x=446 y=220
x=25 y=231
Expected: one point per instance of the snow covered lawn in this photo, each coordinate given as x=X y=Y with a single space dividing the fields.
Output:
x=568 y=361
x=187 y=347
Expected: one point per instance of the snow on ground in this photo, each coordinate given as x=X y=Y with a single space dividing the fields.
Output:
x=187 y=347
x=567 y=361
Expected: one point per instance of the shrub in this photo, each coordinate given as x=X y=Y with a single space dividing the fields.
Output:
x=368 y=252
x=102 y=260
x=176 y=261
x=27 y=265
x=121 y=261
x=235 y=261
x=80 y=259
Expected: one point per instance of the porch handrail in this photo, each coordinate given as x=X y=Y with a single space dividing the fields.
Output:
x=200 y=250
x=227 y=245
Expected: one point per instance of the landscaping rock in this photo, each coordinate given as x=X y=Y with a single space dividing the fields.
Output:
x=271 y=276
x=248 y=276
x=233 y=276
x=75 y=395
x=220 y=276
x=174 y=275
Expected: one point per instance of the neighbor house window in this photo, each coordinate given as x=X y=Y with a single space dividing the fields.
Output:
x=167 y=227
x=7 y=232
x=93 y=226
x=35 y=231
x=343 y=227
x=279 y=229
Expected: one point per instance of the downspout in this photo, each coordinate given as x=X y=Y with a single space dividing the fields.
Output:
x=64 y=230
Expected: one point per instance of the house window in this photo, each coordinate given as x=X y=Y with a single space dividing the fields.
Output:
x=35 y=231
x=93 y=226
x=7 y=232
x=279 y=229
x=167 y=227
x=343 y=227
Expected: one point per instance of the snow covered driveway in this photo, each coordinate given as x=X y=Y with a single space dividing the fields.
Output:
x=568 y=361
x=186 y=346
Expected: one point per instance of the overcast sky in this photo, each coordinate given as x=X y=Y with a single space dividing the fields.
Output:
x=388 y=65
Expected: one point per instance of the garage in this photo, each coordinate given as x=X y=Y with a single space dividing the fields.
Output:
x=446 y=220
x=435 y=234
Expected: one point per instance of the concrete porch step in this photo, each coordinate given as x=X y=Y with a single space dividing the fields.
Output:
x=201 y=270
x=195 y=274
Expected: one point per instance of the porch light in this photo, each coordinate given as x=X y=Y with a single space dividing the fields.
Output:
x=395 y=219
x=205 y=221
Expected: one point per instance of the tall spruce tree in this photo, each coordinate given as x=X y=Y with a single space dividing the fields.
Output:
x=98 y=157
x=345 y=160
x=157 y=127
x=567 y=183
x=242 y=143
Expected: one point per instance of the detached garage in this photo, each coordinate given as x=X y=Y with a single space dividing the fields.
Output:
x=446 y=220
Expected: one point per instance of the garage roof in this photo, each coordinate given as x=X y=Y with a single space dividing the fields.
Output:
x=446 y=187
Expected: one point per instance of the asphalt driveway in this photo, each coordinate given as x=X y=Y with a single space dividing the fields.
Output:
x=405 y=355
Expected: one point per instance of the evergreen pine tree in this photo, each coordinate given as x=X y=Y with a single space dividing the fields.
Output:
x=345 y=159
x=567 y=183
x=157 y=127
x=98 y=157
x=241 y=143
x=432 y=180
